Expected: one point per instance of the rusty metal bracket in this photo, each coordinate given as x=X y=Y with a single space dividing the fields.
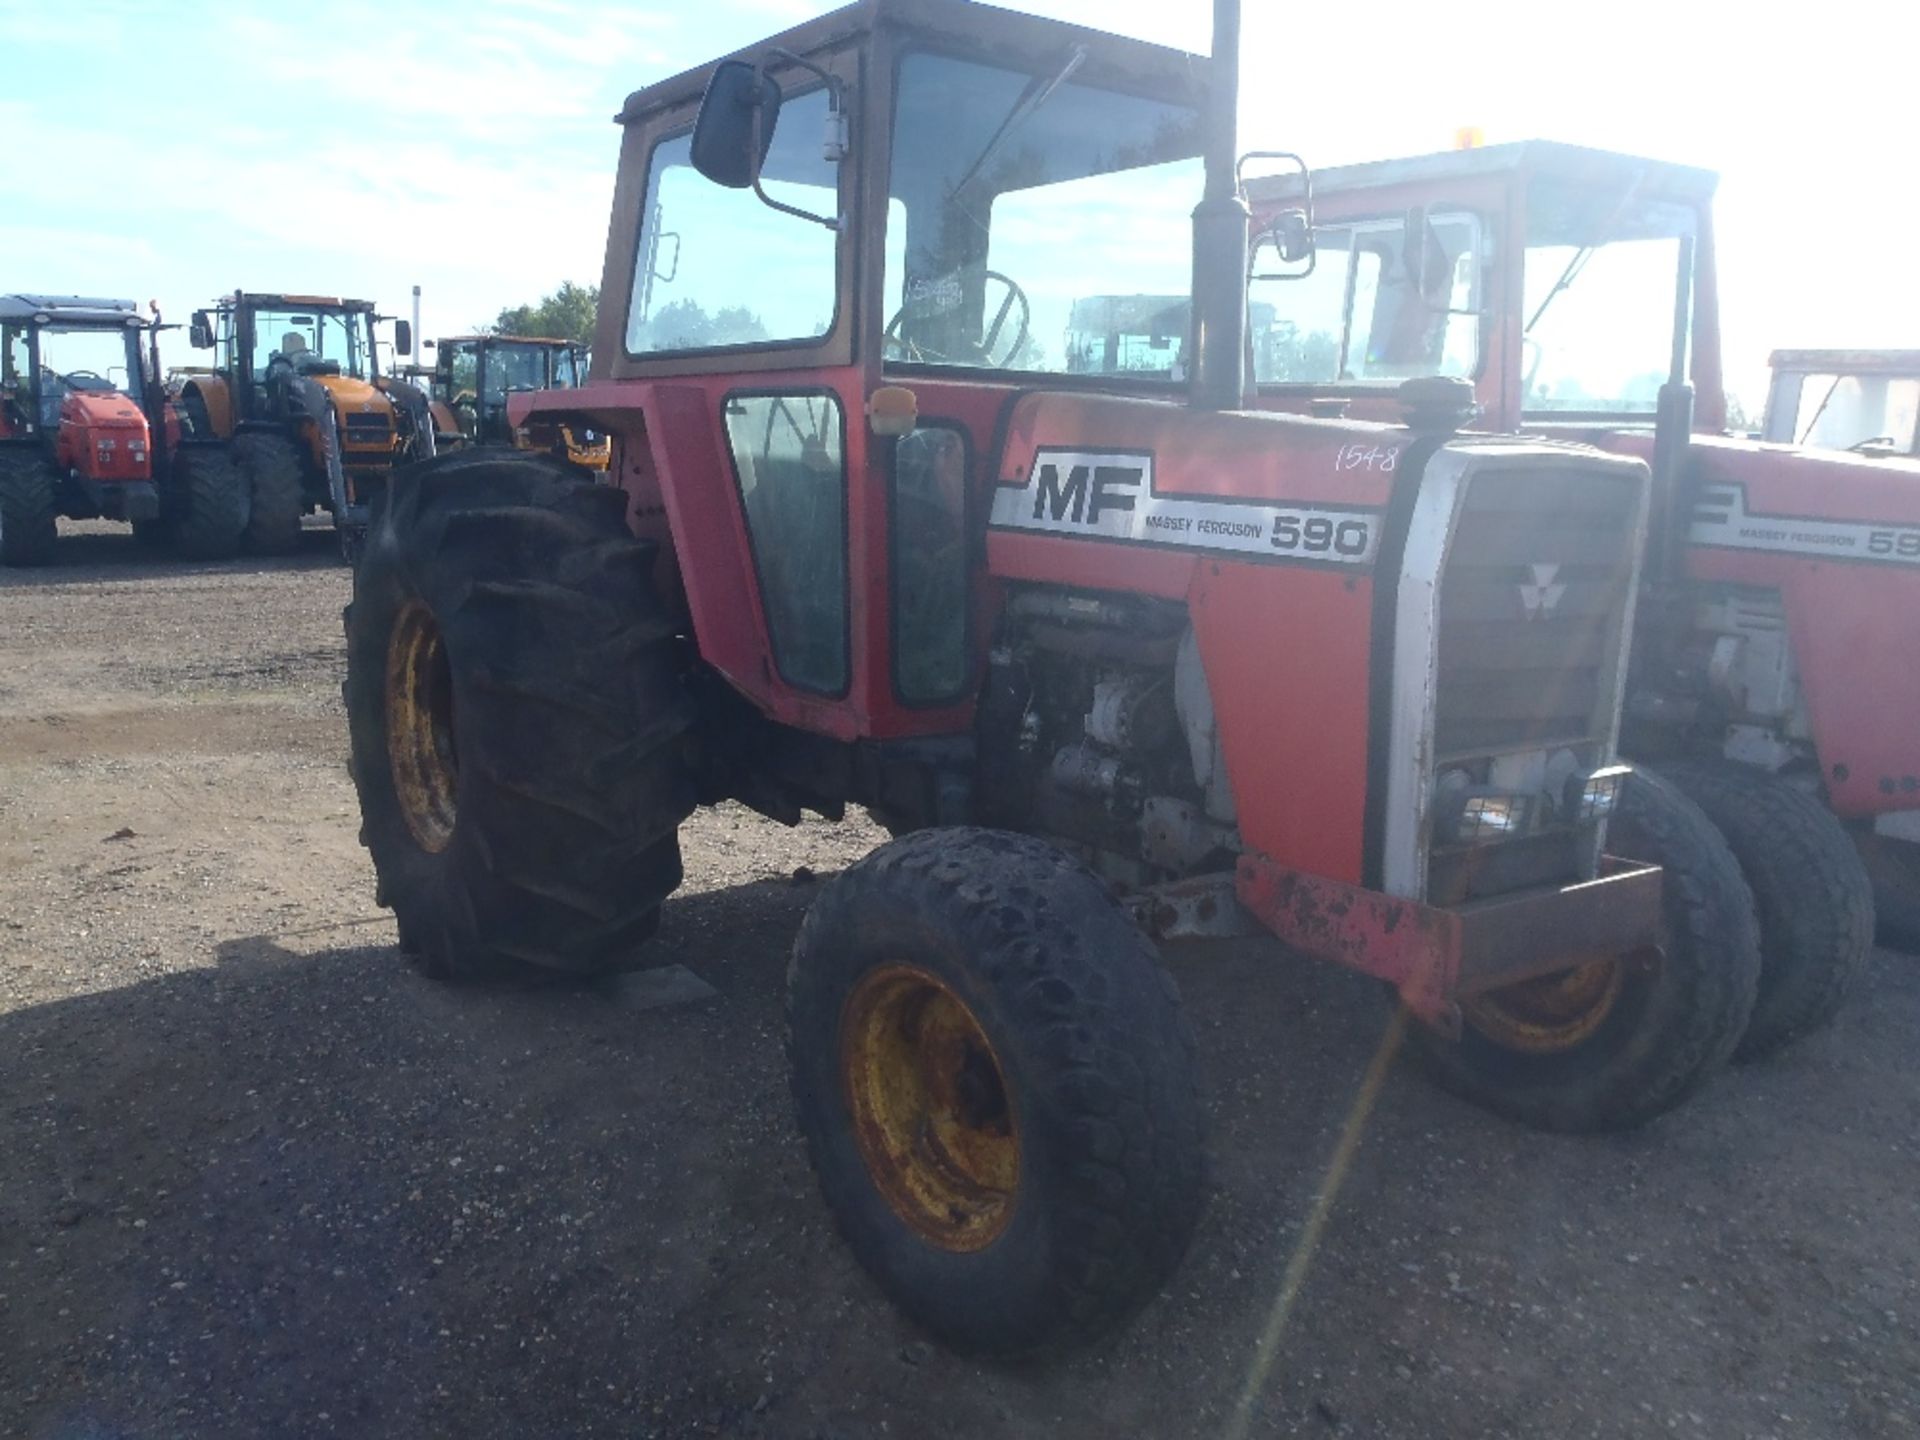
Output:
x=1435 y=956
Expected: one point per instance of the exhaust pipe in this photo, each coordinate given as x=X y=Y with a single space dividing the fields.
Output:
x=1220 y=225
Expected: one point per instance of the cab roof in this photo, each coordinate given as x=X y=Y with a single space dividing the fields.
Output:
x=1848 y=362
x=1023 y=41
x=1660 y=179
x=69 y=309
x=551 y=340
x=268 y=297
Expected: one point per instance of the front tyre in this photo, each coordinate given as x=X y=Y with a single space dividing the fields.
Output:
x=996 y=1088
x=516 y=708
x=271 y=465
x=1618 y=1041
x=210 y=503
x=28 y=509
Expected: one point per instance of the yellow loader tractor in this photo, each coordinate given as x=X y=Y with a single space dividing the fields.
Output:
x=295 y=390
x=472 y=376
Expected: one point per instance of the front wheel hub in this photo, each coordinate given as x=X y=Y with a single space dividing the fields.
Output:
x=932 y=1111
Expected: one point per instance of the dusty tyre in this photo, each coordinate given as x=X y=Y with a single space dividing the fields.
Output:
x=1810 y=891
x=516 y=707
x=210 y=503
x=997 y=1089
x=1617 y=1042
x=272 y=468
x=1893 y=867
x=28 y=534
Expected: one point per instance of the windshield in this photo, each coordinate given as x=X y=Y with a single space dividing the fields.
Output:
x=70 y=358
x=1601 y=275
x=309 y=339
x=1038 y=224
x=514 y=367
x=716 y=267
x=1364 y=312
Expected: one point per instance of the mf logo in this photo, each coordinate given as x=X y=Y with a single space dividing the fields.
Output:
x=1539 y=597
x=1085 y=491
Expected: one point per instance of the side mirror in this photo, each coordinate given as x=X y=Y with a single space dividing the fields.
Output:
x=1289 y=235
x=200 y=332
x=402 y=337
x=734 y=130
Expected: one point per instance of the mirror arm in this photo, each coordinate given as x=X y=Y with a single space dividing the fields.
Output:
x=835 y=149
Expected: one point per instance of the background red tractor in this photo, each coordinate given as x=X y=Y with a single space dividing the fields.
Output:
x=1068 y=628
x=1774 y=667
x=86 y=433
x=1866 y=401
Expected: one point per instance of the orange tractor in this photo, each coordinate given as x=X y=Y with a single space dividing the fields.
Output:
x=472 y=376
x=86 y=433
x=1115 y=657
x=296 y=392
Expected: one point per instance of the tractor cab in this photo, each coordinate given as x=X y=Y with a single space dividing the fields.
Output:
x=68 y=355
x=1561 y=282
x=472 y=376
x=1866 y=401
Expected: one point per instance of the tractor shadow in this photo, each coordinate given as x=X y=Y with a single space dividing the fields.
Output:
x=301 y=1191
x=98 y=552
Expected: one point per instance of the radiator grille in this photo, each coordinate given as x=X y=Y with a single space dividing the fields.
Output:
x=1531 y=602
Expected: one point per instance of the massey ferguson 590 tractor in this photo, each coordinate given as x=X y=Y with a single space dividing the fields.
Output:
x=1776 y=664
x=1108 y=652
x=296 y=391
x=86 y=432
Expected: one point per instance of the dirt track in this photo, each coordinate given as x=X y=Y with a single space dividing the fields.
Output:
x=257 y=1179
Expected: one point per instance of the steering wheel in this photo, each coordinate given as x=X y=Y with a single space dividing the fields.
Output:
x=989 y=352
x=72 y=378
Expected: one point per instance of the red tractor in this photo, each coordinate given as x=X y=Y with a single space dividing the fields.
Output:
x=1776 y=675
x=1110 y=654
x=86 y=433
x=1866 y=401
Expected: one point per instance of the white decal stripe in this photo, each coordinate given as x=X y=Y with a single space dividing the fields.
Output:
x=1110 y=496
x=1720 y=518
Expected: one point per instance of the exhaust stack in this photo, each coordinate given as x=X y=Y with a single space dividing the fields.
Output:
x=1220 y=225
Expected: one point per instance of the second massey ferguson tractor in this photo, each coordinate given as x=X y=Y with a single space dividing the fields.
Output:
x=86 y=433
x=295 y=389
x=1112 y=655
x=1776 y=671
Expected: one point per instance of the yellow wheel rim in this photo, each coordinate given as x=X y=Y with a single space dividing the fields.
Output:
x=420 y=726
x=1552 y=1013
x=932 y=1111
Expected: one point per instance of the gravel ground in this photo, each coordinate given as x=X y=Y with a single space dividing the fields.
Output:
x=258 y=1179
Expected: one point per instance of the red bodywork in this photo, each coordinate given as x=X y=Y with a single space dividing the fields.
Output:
x=1849 y=612
x=103 y=437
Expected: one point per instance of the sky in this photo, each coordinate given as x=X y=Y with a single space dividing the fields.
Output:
x=173 y=152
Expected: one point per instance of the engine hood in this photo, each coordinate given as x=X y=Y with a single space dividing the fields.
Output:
x=101 y=410
x=351 y=396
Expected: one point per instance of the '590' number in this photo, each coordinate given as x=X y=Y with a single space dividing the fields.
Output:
x=1320 y=535
x=1904 y=544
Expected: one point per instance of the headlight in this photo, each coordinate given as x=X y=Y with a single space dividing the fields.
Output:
x=1476 y=816
x=1593 y=797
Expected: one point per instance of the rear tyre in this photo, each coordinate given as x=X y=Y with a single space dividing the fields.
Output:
x=272 y=467
x=1615 y=1043
x=211 y=503
x=997 y=1089
x=1811 y=896
x=28 y=534
x=516 y=706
